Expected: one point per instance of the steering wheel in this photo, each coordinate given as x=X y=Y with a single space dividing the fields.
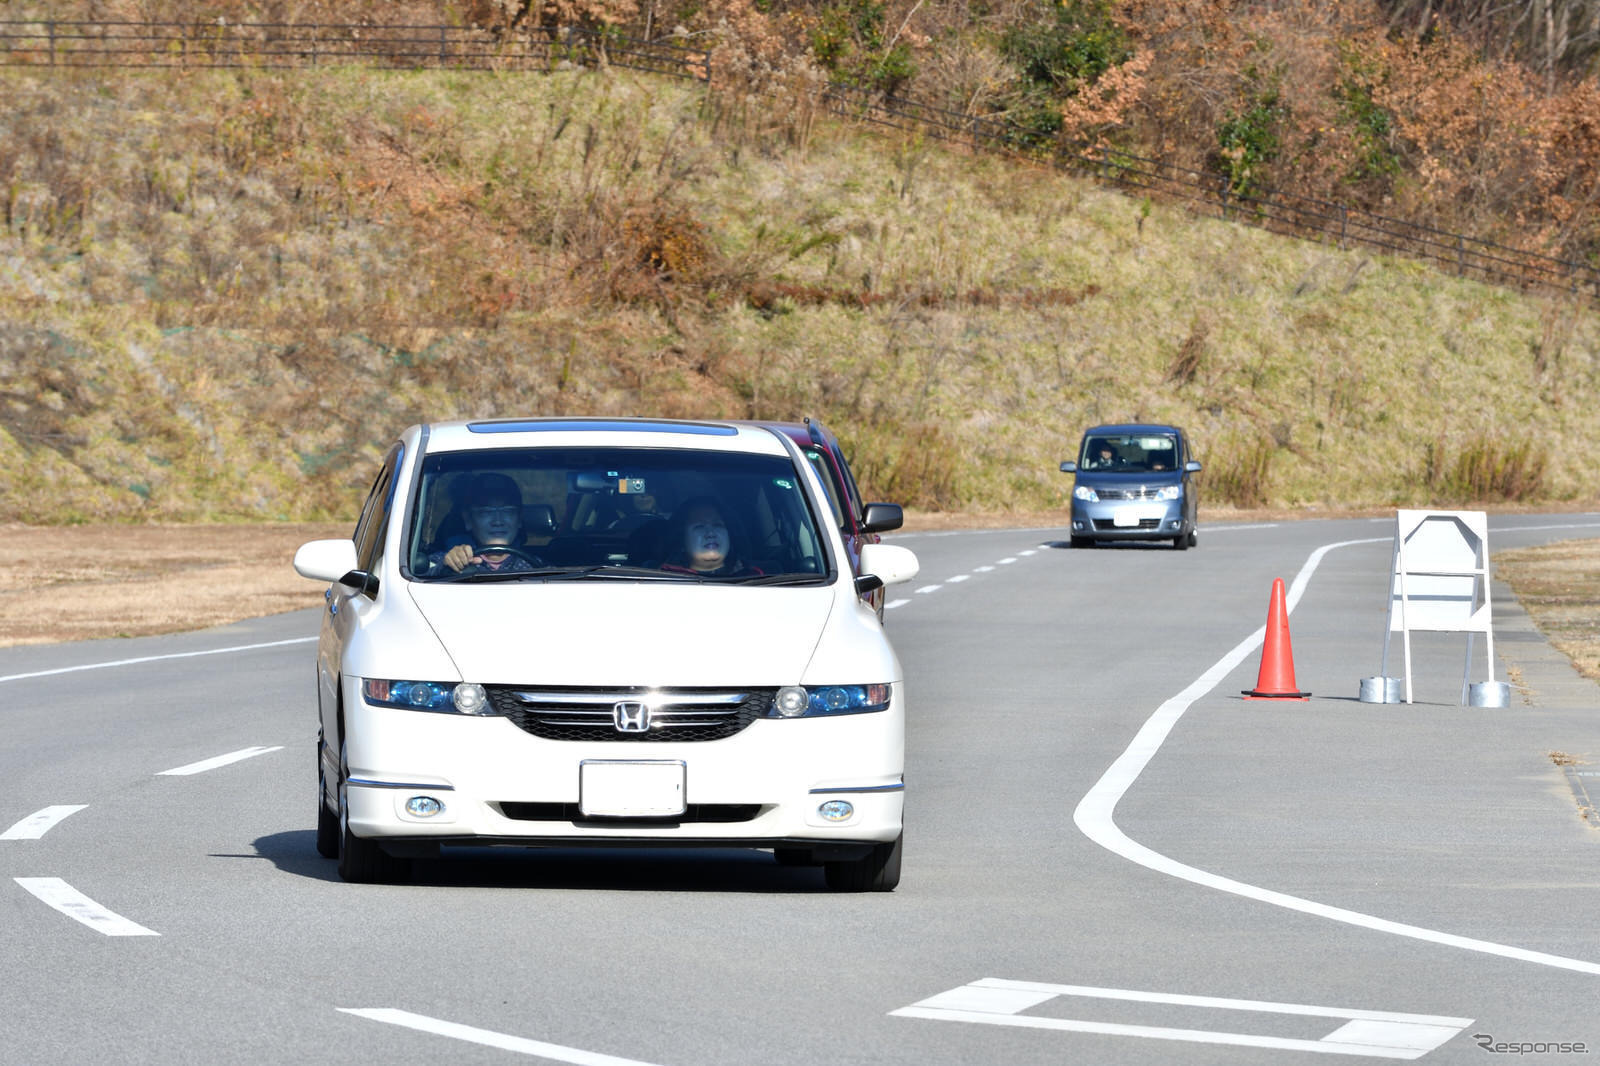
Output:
x=496 y=549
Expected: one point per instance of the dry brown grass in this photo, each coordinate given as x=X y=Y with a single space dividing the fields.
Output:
x=1559 y=586
x=97 y=581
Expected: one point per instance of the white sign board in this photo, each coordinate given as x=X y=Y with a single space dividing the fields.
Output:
x=1440 y=582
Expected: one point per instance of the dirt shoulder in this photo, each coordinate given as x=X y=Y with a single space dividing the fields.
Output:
x=65 y=583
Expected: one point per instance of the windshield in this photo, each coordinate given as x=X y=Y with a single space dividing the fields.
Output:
x=1132 y=454
x=613 y=513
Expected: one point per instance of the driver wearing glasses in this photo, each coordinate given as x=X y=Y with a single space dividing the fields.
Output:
x=493 y=516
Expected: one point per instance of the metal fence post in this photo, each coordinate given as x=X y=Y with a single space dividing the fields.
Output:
x=52 y=26
x=443 y=47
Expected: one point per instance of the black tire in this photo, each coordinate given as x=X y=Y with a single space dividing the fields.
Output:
x=327 y=819
x=1193 y=540
x=362 y=861
x=1180 y=543
x=877 y=871
x=1082 y=542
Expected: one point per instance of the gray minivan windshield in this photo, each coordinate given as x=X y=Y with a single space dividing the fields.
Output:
x=1130 y=454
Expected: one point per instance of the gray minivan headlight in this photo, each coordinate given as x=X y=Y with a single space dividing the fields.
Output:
x=1170 y=492
x=1084 y=492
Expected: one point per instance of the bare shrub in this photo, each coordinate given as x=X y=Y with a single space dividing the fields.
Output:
x=1237 y=471
x=1485 y=468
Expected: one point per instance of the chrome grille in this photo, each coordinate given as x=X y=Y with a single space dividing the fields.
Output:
x=1137 y=492
x=587 y=714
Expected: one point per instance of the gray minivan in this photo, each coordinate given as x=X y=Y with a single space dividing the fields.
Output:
x=1133 y=481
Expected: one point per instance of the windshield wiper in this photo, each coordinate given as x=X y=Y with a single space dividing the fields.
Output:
x=779 y=579
x=567 y=573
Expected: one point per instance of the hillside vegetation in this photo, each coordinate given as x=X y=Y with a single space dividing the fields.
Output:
x=221 y=293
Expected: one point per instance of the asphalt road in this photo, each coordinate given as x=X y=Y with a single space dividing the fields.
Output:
x=1111 y=857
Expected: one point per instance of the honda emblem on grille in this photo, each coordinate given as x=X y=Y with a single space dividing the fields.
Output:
x=631 y=717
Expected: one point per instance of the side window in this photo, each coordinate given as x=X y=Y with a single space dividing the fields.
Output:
x=375 y=513
x=852 y=493
x=819 y=462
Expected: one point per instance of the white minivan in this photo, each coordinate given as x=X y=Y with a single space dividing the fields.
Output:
x=608 y=632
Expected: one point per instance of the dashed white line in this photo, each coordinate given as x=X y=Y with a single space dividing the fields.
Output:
x=892 y=604
x=1008 y=560
x=957 y=579
x=80 y=908
x=924 y=590
x=41 y=822
x=154 y=659
x=982 y=569
x=488 y=1037
x=221 y=760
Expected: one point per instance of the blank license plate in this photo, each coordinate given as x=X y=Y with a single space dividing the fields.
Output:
x=631 y=789
x=1126 y=518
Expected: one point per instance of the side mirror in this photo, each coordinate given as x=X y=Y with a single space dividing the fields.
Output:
x=1069 y=467
x=889 y=564
x=1191 y=467
x=334 y=561
x=882 y=517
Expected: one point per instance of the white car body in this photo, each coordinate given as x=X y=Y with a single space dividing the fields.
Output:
x=398 y=782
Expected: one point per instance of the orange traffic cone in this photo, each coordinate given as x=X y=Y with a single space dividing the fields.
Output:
x=1276 y=679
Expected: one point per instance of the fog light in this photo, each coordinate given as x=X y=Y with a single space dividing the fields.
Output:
x=837 y=810
x=423 y=806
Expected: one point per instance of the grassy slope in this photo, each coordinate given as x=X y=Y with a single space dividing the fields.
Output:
x=221 y=294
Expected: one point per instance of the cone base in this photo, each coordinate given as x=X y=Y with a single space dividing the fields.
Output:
x=1257 y=694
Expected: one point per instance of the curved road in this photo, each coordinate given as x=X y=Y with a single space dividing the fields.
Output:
x=1111 y=857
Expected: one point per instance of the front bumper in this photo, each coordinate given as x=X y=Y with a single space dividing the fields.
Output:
x=1129 y=519
x=762 y=787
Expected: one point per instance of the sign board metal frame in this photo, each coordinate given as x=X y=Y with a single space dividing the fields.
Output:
x=1440 y=583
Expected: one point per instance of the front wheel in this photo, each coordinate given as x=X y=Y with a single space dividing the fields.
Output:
x=362 y=861
x=877 y=871
x=1082 y=542
x=327 y=820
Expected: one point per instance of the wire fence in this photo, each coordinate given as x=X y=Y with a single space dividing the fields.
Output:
x=199 y=45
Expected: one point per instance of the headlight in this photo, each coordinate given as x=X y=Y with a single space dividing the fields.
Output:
x=797 y=702
x=447 y=697
x=1170 y=492
x=1085 y=493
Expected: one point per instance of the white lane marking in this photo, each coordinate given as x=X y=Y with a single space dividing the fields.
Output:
x=154 y=659
x=487 y=1037
x=75 y=905
x=1094 y=814
x=221 y=760
x=982 y=569
x=1376 y=1034
x=39 y=823
x=1008 y=560
x=1030 y=551
x=957 y=579
x=892 y=604
x=924 y=590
